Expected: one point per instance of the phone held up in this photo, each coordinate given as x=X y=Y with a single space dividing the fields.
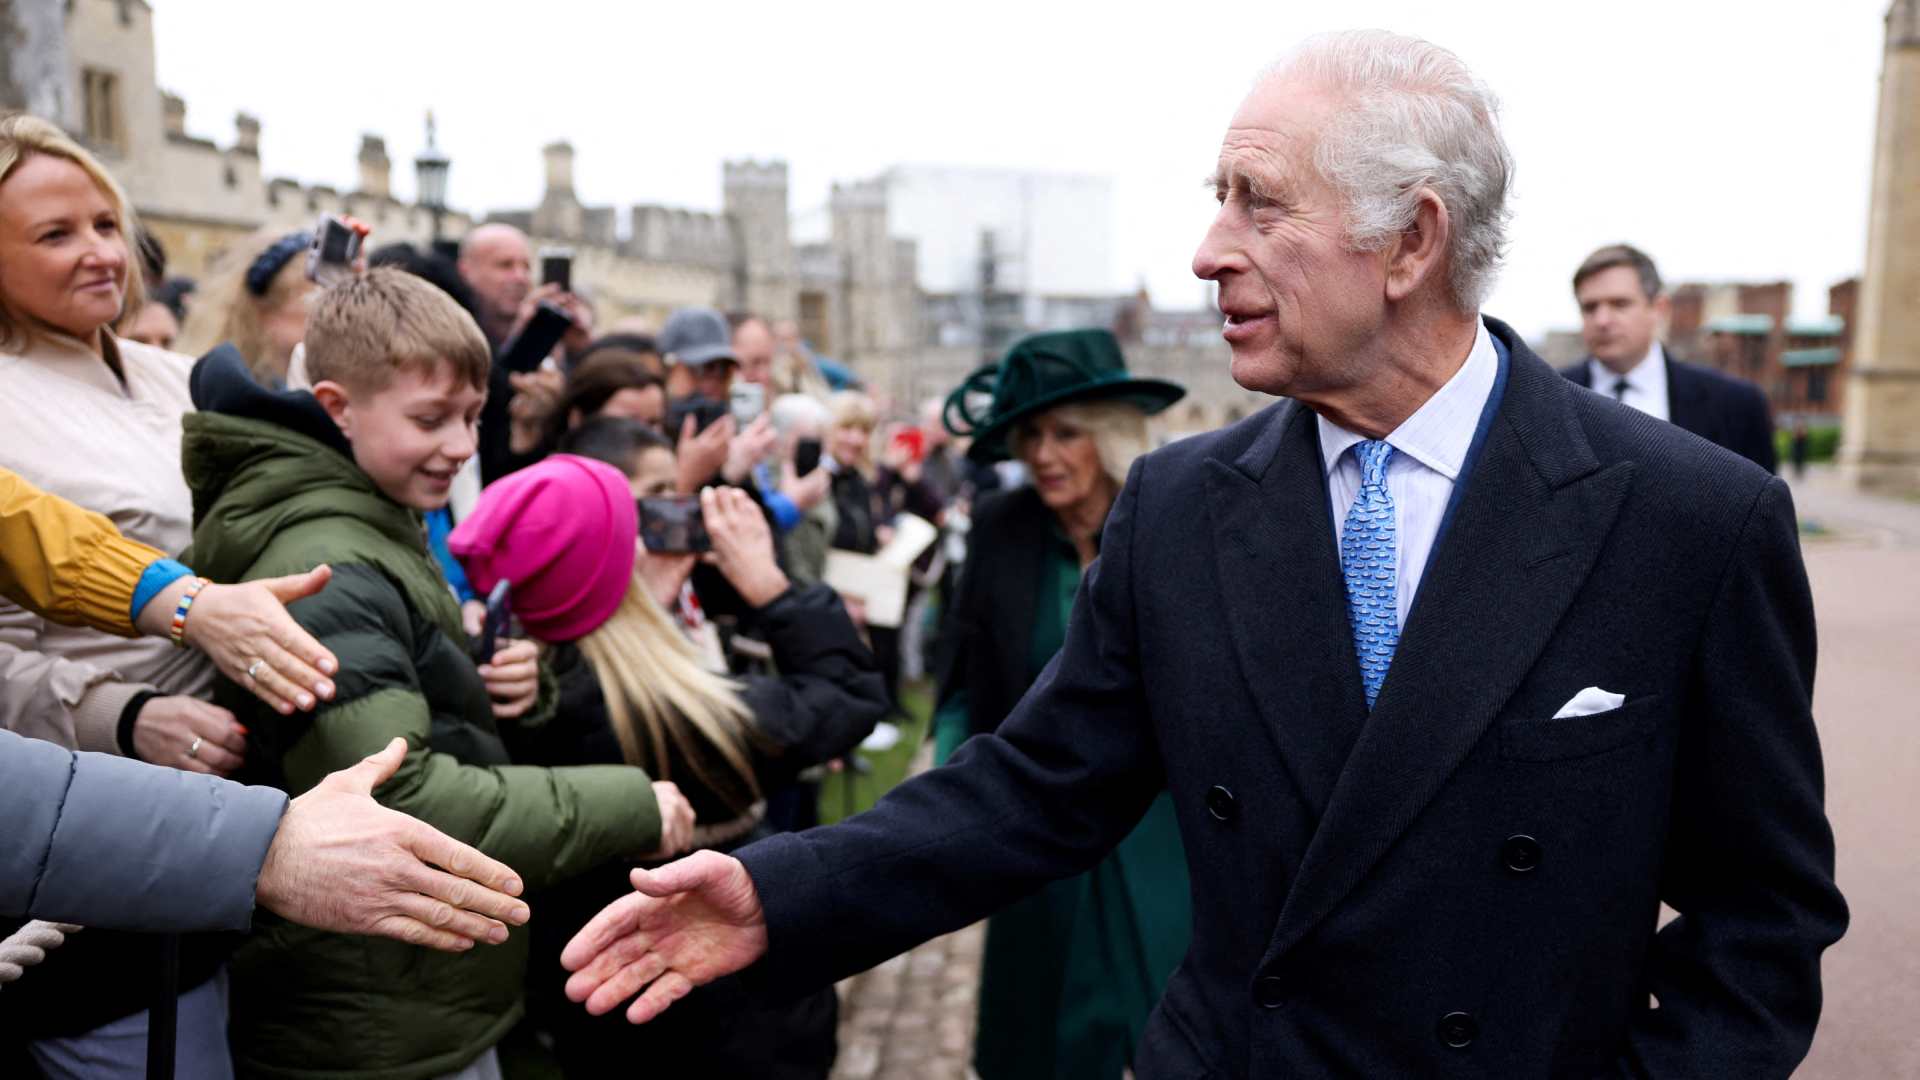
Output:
x=806 y=456
x=747 y=402
x=674 y=525
x=536 y=340
x=556 y=267
x=494 y=626
x=335 y=247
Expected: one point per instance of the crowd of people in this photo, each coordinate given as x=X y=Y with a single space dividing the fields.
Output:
x=401 y=468
x=409 y=672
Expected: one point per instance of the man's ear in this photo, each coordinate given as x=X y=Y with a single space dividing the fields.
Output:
x=339 y=405
x=1419 y=253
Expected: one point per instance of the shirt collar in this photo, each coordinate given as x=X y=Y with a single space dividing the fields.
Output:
x=1439 y=433
x=1649 y=376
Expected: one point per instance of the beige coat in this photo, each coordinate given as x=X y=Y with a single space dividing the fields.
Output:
x=71 y=426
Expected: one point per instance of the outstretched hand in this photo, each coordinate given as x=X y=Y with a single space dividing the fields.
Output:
x=687 y=923
x=247 y=632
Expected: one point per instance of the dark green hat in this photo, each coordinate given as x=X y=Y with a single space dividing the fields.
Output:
x=1043 y=371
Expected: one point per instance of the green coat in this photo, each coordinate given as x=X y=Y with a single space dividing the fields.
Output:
x=269 y=500
x=1070 y=973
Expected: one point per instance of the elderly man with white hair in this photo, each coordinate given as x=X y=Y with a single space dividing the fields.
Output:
x=1455 y=671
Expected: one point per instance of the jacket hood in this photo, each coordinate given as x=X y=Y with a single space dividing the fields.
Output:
x=260 y=462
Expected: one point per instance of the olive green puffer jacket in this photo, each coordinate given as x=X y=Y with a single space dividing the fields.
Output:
x=270 y=500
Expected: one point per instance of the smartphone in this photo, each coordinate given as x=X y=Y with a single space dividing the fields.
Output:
x=556 y=267
x=494 y=626
x=336 y=244
x=705 y=411
x=673 y=525
x=749 y=400
x=806 y=456
x=535 y=341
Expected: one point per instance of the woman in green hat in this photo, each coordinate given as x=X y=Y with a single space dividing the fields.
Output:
x=1071 y=972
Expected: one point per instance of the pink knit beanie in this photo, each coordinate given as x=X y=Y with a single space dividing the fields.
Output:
x=563 y=531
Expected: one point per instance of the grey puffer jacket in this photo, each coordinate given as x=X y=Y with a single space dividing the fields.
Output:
x=108 y=842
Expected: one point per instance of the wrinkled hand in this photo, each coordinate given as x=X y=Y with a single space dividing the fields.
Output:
x=513 y=678
x=742 y=545
x=688 y=923
x=746 y=449
x=167 y=727
x=236 y=625
x=536 y=394
x=342 y=862
x=806 y=492
x=700 y=454
x=676 y=820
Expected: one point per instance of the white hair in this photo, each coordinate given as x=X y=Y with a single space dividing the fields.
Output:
x=1414 y=119
x=790 y=411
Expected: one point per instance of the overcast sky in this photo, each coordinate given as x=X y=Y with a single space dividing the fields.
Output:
x=1732 y=140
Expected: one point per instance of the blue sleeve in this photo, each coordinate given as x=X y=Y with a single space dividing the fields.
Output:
x=439 y=527
x=159 y=574
x=785 y=514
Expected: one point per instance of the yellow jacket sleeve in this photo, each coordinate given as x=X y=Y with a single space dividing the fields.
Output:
x=64 y=563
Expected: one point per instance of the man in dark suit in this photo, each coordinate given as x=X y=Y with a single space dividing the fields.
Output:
x=1439 y=742
x=1622 y=306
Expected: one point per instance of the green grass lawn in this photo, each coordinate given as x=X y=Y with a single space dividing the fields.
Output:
x=843 y=794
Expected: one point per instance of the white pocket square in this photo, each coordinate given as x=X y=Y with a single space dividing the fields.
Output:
x=1589 y=701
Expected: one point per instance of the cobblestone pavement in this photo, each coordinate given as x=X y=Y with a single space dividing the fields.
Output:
x=911 y=1018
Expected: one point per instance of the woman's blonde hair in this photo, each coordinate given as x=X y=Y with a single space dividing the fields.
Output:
x=23 y=136
x=225 y=311
x=659 y=697
x=1119 y=433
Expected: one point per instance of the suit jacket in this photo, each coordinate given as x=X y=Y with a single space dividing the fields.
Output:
x=1717 y=407
x=1458 y=883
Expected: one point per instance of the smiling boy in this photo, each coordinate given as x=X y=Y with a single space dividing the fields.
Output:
x=341 y=474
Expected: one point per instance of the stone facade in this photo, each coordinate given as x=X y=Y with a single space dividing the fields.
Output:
x=1881 y=443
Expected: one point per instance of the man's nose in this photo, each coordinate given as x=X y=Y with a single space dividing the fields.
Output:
x=1219 y=250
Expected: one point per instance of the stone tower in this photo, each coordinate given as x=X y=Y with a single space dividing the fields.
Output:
x=755 y=200
x=1881 y=438
x=559 y=215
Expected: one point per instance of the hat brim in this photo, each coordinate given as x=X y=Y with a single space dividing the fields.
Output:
x=1152 y=396
x=702 y=355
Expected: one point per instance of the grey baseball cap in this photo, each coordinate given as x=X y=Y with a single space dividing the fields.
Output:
x=696 y=336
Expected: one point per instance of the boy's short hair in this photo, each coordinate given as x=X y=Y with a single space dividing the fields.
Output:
x=366 y=330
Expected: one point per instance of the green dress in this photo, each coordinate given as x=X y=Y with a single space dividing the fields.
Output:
x=1071 y=972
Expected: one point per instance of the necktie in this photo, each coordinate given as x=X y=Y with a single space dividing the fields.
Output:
x=1620 y=386
x=1368 y=561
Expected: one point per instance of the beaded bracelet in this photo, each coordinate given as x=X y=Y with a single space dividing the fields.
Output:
x=178 y=631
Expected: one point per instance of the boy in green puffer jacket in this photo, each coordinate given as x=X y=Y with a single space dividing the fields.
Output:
x=288 y=480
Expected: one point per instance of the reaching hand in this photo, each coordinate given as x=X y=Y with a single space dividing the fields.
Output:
x=513 y=678
x=342 y=862
x=247 y=632
x=805 y=491
x=187 y=733
x=742 y=545
x=688 y=923
x=676 y=820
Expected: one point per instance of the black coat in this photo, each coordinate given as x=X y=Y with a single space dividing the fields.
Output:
x=1457 y=884
x=1717 y=407
x=988 y=637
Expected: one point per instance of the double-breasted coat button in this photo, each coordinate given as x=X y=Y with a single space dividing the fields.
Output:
x=1521 y=853
x=1458 y=1030
x=1221 y=803
x=1270 y=991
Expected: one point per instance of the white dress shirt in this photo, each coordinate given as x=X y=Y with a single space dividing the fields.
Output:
x=1429 y=449
x=1646 y=382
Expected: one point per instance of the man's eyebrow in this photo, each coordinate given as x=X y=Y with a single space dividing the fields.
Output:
x=1266 y=188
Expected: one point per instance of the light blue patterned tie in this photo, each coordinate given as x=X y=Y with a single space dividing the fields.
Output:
x=1368 y=555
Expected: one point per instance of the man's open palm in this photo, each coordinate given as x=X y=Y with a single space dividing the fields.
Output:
x=687 y=923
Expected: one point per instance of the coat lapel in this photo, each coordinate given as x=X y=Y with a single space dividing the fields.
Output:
x=1535 y=511
x=1281 y=592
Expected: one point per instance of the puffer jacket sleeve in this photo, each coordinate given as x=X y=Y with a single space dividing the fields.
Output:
x=829 y=693
x=66 y=563
x=117 y=844
x=548 y=824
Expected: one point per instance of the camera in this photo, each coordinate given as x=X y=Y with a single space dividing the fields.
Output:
x=556 y=267
x=336 y=245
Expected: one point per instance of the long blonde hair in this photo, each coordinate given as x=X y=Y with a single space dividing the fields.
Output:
x=659 y=696
x=225 y=311
x=23 y=136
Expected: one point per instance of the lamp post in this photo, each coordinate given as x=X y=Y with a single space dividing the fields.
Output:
x=430 y=174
